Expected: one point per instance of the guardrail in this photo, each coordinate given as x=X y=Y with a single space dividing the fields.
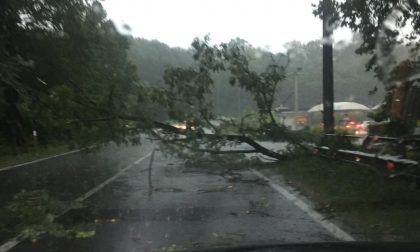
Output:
x=385 y=164
x=414 y=138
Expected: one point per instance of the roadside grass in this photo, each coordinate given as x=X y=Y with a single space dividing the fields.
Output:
x=8 y=158
x=373 y=207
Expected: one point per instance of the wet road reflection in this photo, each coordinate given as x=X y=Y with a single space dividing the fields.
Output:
x=155 y=206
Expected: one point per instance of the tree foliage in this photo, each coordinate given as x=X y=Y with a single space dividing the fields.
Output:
x=191 y=87
x=76 y=79
x=61 y=62
x=390 y=35
x=352 y=82
x=382 y=25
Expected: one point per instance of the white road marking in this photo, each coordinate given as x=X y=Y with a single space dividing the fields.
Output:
x=38 y=160
x=11 y=243
x=317 y=217
x=106 y=182
x=18 y=239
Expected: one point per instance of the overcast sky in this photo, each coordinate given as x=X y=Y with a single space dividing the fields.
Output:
x=264 y=23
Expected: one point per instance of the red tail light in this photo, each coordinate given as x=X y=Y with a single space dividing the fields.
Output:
x=390 y=166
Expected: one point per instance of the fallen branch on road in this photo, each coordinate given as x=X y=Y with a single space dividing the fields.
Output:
x=192 y=135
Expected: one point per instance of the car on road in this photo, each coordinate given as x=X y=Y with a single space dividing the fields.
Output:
x=183 y=125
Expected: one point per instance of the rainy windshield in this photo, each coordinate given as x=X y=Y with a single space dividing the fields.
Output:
x=181 y=125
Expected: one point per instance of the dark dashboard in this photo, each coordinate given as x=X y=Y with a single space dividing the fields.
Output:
x=326 y=247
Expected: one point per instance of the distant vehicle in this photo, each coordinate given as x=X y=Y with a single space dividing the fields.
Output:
x=364 y=129
x=301 y=120
x=183 y=125
x=353 y=126
x=179 y=125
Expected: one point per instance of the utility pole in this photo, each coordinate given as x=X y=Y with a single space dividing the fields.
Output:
x=217 y=100
x=327 y=67
x=296 y=89
x=240 y=104
x=296 y=93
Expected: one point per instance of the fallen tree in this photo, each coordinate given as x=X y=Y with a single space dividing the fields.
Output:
x=186 y=98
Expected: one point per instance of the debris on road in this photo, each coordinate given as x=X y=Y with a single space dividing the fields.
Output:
x=260 y=213
x=234 y=214
x=230 y=176
x=241 y=235
x=106 y=220
x=259 y=207
x=220 y=189
x=202 y=172
x=257 y=181
x=229 y=236
x=169 y=189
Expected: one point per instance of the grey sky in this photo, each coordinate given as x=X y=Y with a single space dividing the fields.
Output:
x=264 y=23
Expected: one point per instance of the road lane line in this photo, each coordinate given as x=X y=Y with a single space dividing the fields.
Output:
x=45 y=158
x=336 y=231
x=38 y=160
x=13 y=242
x=106 y=182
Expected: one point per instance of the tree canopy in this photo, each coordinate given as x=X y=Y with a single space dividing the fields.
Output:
x=389 y=32
x=352 y=82
x=61 y=62
x=384 y=26
x=68 y=74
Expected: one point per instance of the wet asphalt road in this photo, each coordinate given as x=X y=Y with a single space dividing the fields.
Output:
x=183 y=206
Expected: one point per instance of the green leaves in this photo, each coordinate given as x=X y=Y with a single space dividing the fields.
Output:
x=378 y=22
x=191 y=87
x=74 y=69
x=32 y=214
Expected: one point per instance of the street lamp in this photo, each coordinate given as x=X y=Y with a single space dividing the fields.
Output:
x=296 y=89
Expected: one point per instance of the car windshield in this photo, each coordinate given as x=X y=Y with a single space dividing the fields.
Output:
x=183 y=125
